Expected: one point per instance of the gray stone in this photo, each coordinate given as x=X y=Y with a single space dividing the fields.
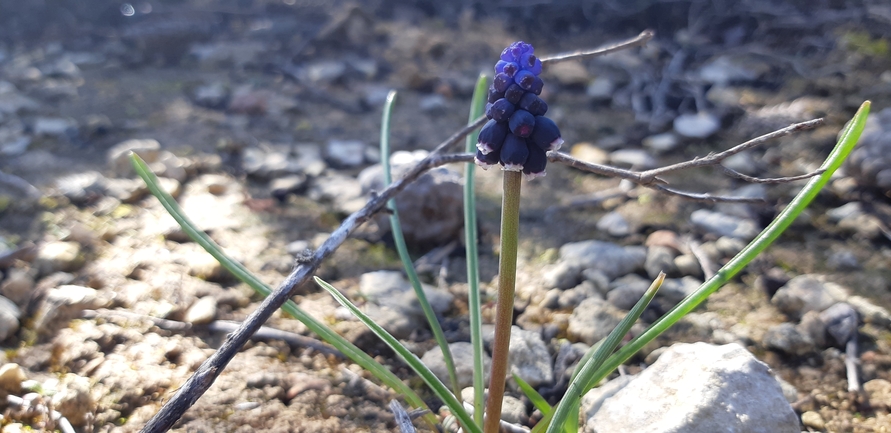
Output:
x=11 y=377
x=729 y=246
x=13 y=140
x=389 y=290
x=614 y=224
x=844 y=211
x=462 y=354
x=283 y=186
x=699 y=125
x=213 y=95
x=58 y=256
x=593 y=320
x=119 y=155
x=65 y=303
x=661 y=143
x=601 y=88
x=344 y=192
x=74 y=399
x=9 y=318
x=870 y=312
x=17 y=286
x=433 y=103
x=635 y=158
x=529 y=358
x=551 y=299
x=599 y=280
x=82 y=188
x=594 y=399
x=569 y=73
x=513 y=411
x=699 y=388
x=53 y=126
x=841 y=322
x=674 y=290
x=844 y=260
x=610 y=259
x=789 y=390
x=724 y=225
x=786 y=338
x=203 y=311
x=742 y=162
x=431 y=209
x=561 y=275
x=732 y=69
x=569 y=299
x=660 y=259
x=627 y=290
x=688 y=265
x=345 y=153
x=805 y=293
x=13 y=102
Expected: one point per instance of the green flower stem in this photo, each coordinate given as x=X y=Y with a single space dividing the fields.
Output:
x=846 y=143
x=504 y=312
x=473 y=273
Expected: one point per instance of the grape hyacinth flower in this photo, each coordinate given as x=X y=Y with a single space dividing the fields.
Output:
x=517 y=134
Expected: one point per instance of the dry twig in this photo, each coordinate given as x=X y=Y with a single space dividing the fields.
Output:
x=636 y=41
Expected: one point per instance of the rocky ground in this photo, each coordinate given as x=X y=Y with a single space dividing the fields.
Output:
x=262 y=118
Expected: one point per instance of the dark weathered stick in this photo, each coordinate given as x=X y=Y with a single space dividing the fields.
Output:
x=204 y=377
x=636 y=41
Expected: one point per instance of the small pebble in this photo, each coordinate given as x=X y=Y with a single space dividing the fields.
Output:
x=203 y=311
x=813 y=420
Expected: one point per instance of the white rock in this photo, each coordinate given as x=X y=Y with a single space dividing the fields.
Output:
x=699 y=125
x=74 y=400
x=203 y=311
x=119 y=155
x=11 y=377
x=614 y=224
x=697 y=388
x=462 y=355
x=58 y=256
x=9 y=318
x=345 y=153
x=661 y=143
x=529 y=358
x=724 y=225
x=611 y=259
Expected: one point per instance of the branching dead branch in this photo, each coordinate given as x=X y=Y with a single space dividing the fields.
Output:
x=636 y=41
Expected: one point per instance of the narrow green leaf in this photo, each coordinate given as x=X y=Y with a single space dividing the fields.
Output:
x=569 y=405
x=399 y=240
x=477 y=106
x=537 y=400
x=409 y=358
x=244 y=275
x=847 y=141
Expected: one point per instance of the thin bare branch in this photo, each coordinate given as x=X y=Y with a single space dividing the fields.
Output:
x=733 y=173
x=636 y=41
x=716 y=158
x=403 y=420
x=705 y=197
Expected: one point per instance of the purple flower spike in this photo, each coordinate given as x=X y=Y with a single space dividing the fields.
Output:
x=511 y=69
x=514 y=153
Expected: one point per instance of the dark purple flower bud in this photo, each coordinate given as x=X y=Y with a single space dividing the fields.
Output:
x=491 y=136
x=514 y=93
x=535 y=163
x=501 y=82
x=530 y=63
x=542 y=108
x=511 y=69
x=532 y=104
x=499 y=67
x=536 y=86
x=493 y=95
x=545 y=134
x=514 y=152
x=486 y=160
x=500 y=110
x=488 y=110
x=521 y=123
x=525 y=79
